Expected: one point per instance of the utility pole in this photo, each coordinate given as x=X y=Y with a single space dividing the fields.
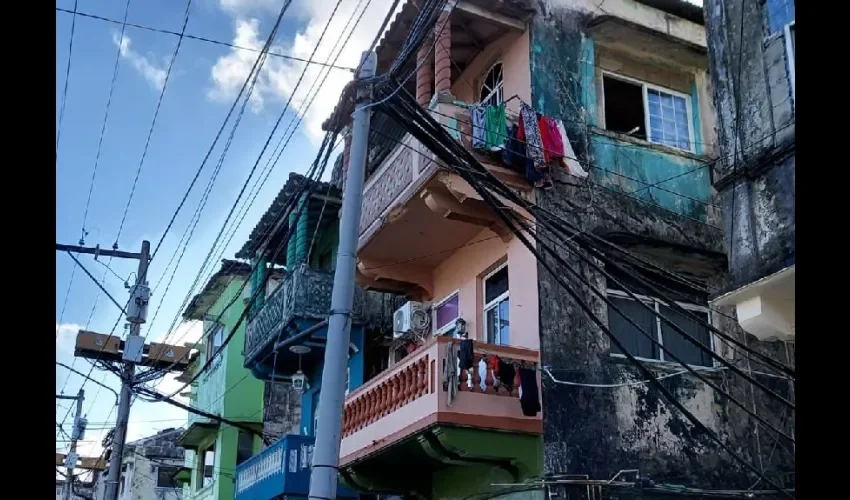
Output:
x=76 y=434
x=133 y=351
x=324 y=477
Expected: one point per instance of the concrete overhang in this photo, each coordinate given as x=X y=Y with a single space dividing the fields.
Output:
x=766 y=308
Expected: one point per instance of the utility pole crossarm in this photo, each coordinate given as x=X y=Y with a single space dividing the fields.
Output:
x=98 y=251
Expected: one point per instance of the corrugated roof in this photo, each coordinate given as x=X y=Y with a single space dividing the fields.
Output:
x=269 y=220
x=213 y=288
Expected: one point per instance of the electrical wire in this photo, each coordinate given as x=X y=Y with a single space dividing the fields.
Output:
x=186 y=15
x=300 y=115
x=105 y=120
x=254 y=71
x=324 y=151
x=265 y=146
x=67 y=78
x=686 y=283
x=65 y=300
x=430 y=133
x=202 y=39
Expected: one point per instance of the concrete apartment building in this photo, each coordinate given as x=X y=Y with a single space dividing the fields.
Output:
x=629 y=83
x=148 y=469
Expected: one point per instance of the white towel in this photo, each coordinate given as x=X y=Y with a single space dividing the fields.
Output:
x=570 y=161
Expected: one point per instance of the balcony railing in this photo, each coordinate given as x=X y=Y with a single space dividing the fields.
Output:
x=404 y=165
x=305 y=293
x=412 y=395
x=281 y=469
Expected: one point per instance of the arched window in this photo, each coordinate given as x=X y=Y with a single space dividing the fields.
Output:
x=491 y=86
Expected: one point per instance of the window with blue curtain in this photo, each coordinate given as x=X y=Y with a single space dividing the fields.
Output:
x=779 y=13
x=668 y=119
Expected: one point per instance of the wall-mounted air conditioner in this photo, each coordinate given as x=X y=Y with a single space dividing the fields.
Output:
x=411 y=318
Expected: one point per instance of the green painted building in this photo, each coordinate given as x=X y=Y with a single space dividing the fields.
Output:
x=225 y=388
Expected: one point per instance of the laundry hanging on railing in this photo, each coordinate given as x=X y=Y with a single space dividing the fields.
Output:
x=530 y=147
x=489 y=127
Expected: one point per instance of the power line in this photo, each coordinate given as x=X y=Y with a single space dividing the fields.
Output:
x=427 y=130
x=67 y=78
x=265 y=146
x=724 y=338
x=279 y=150
x=89 y=274
x=65 y=301
x=255 y=69
x=105 y=120
x=186 y=15
x=204 y=39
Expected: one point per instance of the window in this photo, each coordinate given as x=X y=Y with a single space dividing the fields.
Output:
x=647 y=112
x=206 y=467
x=214 y=341
x=637 y=344
x=779 y=14
x=497 y=307
x=491 y=91
x=446 y=313
x=244 y=446
x=165 y=477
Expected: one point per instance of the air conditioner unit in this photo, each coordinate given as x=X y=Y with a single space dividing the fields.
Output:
x=412 y=317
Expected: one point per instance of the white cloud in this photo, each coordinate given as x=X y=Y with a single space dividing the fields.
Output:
x=66 y=337
x=279 y=76
x=151 y=71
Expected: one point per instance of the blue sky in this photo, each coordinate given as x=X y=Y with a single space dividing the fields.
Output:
x=201 y=87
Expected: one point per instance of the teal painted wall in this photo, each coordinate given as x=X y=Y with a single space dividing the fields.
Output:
x=563 y=79
x=639 y=167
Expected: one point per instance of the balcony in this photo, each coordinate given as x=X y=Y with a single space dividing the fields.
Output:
x=402 y=420
x=414 y=209
x=293 y=314
x=655 y=174
x=280 y=471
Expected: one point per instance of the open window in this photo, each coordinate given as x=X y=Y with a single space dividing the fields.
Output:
x=647 y=112
x=244 y=446
x=206 y=467
x=165 y=476
x=497 y=306
x=492 y=86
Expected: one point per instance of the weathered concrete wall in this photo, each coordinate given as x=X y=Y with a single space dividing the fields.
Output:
x=600 y=431
x=281 y=410
x=756 y=136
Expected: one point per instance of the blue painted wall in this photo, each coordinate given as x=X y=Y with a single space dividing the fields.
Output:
x=310 y=398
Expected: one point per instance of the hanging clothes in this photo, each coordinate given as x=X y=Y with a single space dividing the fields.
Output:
x=454 y=129
x=552 y=138
x=513 y=154
x=450 y=375
x=479 y=127
x=506 y=374
x=466 y=354
x=531 y=136
x=497 y=128
x=569 y=160
x=545 y=139
x=529 y=399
